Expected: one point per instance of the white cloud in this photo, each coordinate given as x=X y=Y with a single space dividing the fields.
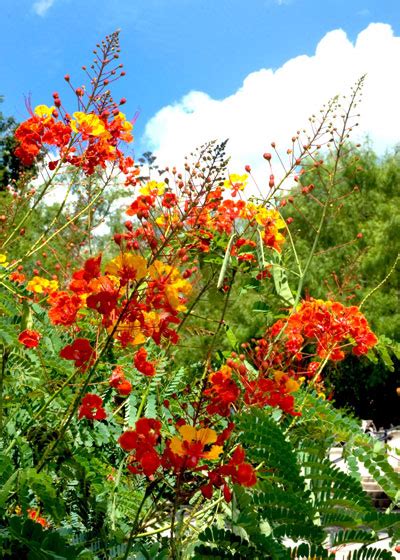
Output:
x=42 y=6
x=272 y=105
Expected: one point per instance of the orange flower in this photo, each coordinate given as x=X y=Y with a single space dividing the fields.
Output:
x=128 y=332
x=290 y=385
x=34 y=514
x=193 y=442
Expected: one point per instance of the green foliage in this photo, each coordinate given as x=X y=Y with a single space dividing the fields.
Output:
x=301 y=495
x=27 y=539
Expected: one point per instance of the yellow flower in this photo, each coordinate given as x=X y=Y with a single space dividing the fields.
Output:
x=40 y=285
x=236 y=182
x=44 y=112
x=89 y=124
x=152 y=187
x=189 y=436
x=127 y=266
x=3 y=260
x=168 y=220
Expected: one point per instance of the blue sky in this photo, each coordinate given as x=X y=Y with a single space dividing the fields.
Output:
x=169 y=47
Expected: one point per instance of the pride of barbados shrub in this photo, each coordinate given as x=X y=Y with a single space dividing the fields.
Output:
x=143 y=450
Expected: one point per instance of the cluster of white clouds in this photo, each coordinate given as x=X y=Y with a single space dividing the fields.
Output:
x=271 y=105
x=42 y=6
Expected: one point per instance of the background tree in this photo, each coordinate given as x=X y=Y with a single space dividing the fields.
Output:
x=358 y=259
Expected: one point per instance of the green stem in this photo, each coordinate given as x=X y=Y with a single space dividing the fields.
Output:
x=331 y=185
x=2 y=375
x=143 y=401
x=148 y=491
x=382 y=282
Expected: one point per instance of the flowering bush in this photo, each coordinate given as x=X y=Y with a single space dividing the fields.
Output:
x=114 y=435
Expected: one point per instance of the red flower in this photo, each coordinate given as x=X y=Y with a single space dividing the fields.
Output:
x=17 y=277
x=141 y=363
x=64 y=308
x=35 y=132
x=222 y=393
x=90 y=270
x=103 y=302
x=124 y=388
x=141 y=442
x=81 y=352
x=29 y=338
x=92 y=408
x=237 y=469
x=149 y=461
x=128 y=440
x=118 y=381
x=117 y=377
